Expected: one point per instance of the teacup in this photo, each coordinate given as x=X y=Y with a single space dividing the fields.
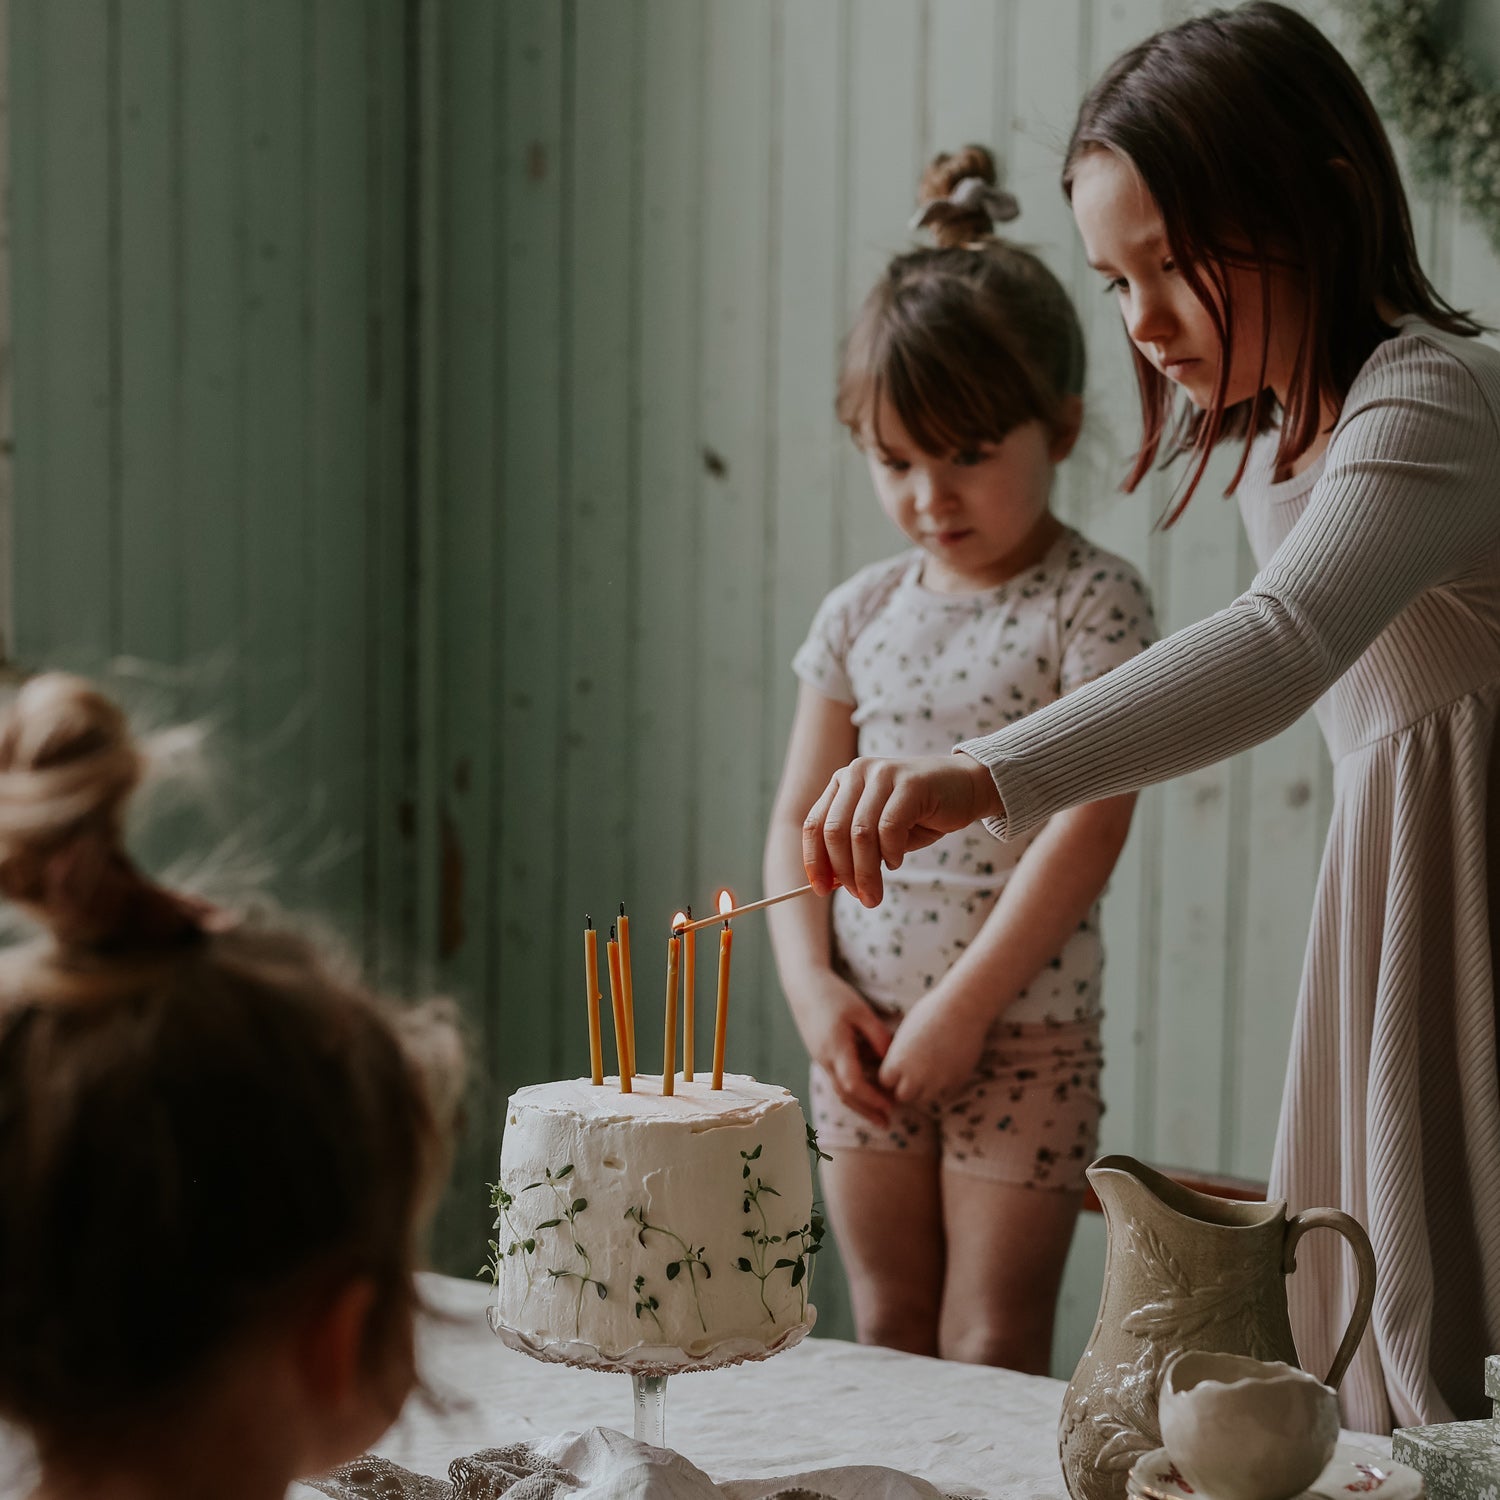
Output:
x=1245 y=1429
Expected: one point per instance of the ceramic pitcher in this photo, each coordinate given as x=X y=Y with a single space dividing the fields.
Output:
x=1184 y=1270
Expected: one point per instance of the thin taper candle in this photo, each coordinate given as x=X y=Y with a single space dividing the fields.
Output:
x=669 y=1038
x=625 y=970
x=617 y=1002
x=739 y=911
x=591 y=998
x=689 y=975
x=721 y=1017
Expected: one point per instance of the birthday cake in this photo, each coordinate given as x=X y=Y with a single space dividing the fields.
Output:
x=653 y=1233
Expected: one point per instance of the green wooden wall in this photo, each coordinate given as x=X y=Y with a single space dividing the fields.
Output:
x=208 y=273
x=439 y=394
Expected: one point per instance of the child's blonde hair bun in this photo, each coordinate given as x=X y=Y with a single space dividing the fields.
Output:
x=959 y=199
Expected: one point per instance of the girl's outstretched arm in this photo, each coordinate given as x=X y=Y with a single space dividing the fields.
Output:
x=842 y=1034
x=1405 y=503
x=1048 y=894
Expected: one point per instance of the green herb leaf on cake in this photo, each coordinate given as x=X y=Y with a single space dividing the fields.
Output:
x=691 y=1257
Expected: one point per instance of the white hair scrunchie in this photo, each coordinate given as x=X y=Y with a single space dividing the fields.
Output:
x=967 y=194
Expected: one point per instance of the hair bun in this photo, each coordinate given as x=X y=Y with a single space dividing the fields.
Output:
x=66 y=756
x=959 y=198
x=68 y=762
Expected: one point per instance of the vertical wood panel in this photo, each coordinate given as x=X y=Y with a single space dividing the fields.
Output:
x=461 y=543
x=968 y=72
x=810 y=442
x=210 y=408
x=665 y=710
x=598 y=753
x=146 y=135
x=530 y=568
x=26 y=252
x=1122 y=523
x=7 y=329
x=189 y=319
x=276 y=561
x=390 y=473
x=730 y=580
x=68 y=525
x=884 y=163
x=809 y=439
x=467 y=513
x=341 y=241
x=1046 y=63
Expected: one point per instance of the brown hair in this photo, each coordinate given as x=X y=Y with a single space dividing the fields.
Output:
x=1262 y=150
x=201 y=1121
x=966 y=341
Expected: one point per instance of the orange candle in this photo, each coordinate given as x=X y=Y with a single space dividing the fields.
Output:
x=617 y=1001
x=689 y=974
x=629 y=990
x=721 y=1019
x=669 y=1038
x=591 y=998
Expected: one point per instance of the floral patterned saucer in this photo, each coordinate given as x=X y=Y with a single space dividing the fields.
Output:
x=1352 y=1474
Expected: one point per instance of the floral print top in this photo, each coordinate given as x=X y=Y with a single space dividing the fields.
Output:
x=924 y=670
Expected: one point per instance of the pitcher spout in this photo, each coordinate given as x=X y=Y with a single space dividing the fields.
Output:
x=1129 y=1190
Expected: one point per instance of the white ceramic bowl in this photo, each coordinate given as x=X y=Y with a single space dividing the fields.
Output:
x=1245 y=1429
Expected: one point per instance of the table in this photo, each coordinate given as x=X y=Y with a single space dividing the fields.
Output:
x=824 y=1403
x=821 y=1404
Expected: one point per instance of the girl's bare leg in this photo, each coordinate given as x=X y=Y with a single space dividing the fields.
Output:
x=886 y=1214
x=1006 y=1249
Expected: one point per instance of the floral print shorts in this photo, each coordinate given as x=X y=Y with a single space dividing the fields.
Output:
x=1029 y=1115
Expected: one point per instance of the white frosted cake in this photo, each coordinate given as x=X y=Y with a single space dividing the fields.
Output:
x=653 y=1233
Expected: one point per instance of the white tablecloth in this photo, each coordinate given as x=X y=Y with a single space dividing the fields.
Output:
x=823 y=1404
x=820 y=1405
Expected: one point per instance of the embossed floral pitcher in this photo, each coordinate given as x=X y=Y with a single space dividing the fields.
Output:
x=1185 y=1270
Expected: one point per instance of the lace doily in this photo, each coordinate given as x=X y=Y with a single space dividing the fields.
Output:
x=518 y=1472
x=602 y=1463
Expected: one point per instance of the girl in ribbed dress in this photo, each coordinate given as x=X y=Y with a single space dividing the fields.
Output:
x=1234 y=188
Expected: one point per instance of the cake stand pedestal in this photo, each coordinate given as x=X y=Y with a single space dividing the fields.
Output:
x=650 y=1409
x=649 y=1386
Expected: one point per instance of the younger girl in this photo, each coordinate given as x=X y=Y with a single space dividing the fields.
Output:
x=955 y=1031
x=1235 y=190
x=215 y=1152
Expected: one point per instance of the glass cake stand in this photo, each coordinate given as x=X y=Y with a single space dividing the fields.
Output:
x=648 y=1387
x=650 y=1393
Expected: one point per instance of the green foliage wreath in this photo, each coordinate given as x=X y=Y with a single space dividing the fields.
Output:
x=1450 y=118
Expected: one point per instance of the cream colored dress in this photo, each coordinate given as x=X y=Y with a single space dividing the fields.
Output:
x=1378 y=602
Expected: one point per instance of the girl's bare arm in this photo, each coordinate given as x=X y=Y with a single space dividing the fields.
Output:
x=831 y=1016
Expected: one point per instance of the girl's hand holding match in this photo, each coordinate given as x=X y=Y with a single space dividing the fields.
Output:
x=878 y=811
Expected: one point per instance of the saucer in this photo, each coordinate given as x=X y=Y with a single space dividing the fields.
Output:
x=1352 y=1474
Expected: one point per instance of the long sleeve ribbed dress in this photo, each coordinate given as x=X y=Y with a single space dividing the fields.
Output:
x=1377 y=603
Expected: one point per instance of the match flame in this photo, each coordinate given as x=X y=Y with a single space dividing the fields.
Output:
x=726 y=902
x=679 y=921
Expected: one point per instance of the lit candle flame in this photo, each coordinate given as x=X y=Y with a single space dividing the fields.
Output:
x=726 y=902
x=679 y=920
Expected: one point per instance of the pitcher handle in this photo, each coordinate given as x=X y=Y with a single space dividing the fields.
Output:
x=1364 y=1260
